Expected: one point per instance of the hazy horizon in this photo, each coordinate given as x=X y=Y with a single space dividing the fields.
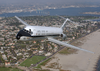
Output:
x=69 y=2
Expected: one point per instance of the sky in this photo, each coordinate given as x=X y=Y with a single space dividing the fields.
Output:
x=48 y=1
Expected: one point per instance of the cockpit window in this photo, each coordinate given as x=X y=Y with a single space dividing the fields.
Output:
x=28 y=31
x=24 y=30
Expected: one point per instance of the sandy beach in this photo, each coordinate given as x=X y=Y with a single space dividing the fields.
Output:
x=81 y=61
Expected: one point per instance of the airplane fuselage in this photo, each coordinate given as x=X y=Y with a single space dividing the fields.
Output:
x=38 y=32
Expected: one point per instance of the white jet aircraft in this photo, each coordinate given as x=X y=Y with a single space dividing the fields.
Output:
x=41 y=32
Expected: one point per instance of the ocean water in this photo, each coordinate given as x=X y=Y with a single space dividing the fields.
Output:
x=62 y=11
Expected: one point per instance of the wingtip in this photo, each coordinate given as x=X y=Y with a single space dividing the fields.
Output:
x=15 y=16
x=91 y=52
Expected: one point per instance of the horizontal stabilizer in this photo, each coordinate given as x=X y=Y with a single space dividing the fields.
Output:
x=67 y=45
x=64 y=23
x=66 y=19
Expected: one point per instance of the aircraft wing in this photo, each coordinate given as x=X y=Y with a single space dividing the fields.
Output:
x=23 y=22
x=65 y=44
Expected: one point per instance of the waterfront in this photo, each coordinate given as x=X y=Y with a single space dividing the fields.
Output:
x=73 y=11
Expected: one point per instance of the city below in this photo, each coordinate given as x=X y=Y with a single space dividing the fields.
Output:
x=26 y=55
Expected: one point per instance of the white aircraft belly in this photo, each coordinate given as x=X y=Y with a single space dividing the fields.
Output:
x=24 y=38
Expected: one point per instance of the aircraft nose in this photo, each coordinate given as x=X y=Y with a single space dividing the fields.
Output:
x=18 y=36
x=22 y=33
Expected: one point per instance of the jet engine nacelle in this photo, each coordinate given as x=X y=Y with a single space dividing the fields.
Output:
x=63 y=36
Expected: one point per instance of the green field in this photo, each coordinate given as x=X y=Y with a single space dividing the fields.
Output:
x=9 y=69
x=32 y=60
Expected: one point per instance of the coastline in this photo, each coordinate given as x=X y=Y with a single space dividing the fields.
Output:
x=71 y=11
x=81 y=61
x=92 y=13
x=31 y=10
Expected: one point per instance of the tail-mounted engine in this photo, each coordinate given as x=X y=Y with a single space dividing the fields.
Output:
x=63 y=36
